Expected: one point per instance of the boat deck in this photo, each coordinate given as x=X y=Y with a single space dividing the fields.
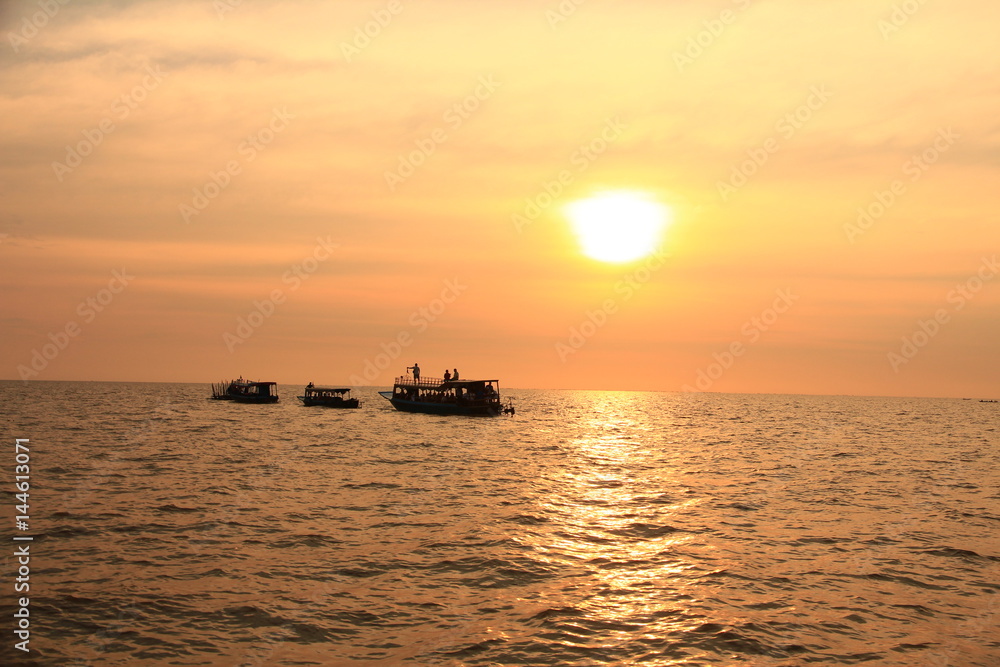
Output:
x=437 y=383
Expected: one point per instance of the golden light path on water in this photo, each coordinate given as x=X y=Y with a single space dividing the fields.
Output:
x=635 y=582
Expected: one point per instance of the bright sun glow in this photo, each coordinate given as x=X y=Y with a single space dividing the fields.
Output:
x=618 y=226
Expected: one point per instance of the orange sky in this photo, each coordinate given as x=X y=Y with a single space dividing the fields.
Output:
x=368 y=192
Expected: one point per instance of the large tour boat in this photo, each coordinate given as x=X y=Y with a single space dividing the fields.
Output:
x=447 y=397
x=330 y=397
x=245 y=391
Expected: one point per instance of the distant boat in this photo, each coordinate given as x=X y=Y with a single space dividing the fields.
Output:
x=244 y=391
x=985 y=401
x=452 y=397
x=330 y=397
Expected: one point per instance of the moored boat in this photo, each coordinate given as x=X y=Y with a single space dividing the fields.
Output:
x=245 y=391
x=330 y=397
x=447 y=397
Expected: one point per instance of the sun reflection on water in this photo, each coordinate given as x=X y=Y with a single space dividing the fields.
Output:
x=612 y=519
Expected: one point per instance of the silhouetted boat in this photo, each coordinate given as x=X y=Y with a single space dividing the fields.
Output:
x=244 y=391
x=453 y=397
x=330 y=397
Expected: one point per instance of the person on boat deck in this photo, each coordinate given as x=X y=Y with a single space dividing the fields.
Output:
x=416 y=370
x=447 y=375
x=454 y=375
x=310 y=385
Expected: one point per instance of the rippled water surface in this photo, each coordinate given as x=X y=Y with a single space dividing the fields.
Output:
x=593 y=528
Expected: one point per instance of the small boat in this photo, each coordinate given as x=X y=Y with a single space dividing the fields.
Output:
x=330 y=397
x=244 y=391
x=447 y=397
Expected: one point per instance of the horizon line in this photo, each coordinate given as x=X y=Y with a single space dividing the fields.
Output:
x=637 y=391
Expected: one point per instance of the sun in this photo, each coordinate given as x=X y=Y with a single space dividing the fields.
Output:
x=618 y=227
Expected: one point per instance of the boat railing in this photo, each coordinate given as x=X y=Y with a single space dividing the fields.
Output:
x=429 y=383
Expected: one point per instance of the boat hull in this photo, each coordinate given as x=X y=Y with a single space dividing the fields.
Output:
x=254 y=399
x=434 y=408
x=337 y=403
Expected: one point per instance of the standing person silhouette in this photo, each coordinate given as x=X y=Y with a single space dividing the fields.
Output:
x=416 y=370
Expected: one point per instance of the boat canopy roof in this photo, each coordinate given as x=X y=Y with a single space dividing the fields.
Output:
x=467 y=383
x=333 y=390
x=438 y=383
x=248 y=383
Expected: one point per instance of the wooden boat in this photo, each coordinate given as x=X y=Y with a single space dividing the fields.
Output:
x=330 y=397
x=447 y=397
x=244 y=391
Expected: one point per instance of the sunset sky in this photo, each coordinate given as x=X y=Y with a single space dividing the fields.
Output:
x=306 y=191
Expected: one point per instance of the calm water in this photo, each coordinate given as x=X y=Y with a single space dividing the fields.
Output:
x=592 y=528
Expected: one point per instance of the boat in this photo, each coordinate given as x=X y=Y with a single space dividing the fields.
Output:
x=245 y=391
x=330 y=397
x=447 y=397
